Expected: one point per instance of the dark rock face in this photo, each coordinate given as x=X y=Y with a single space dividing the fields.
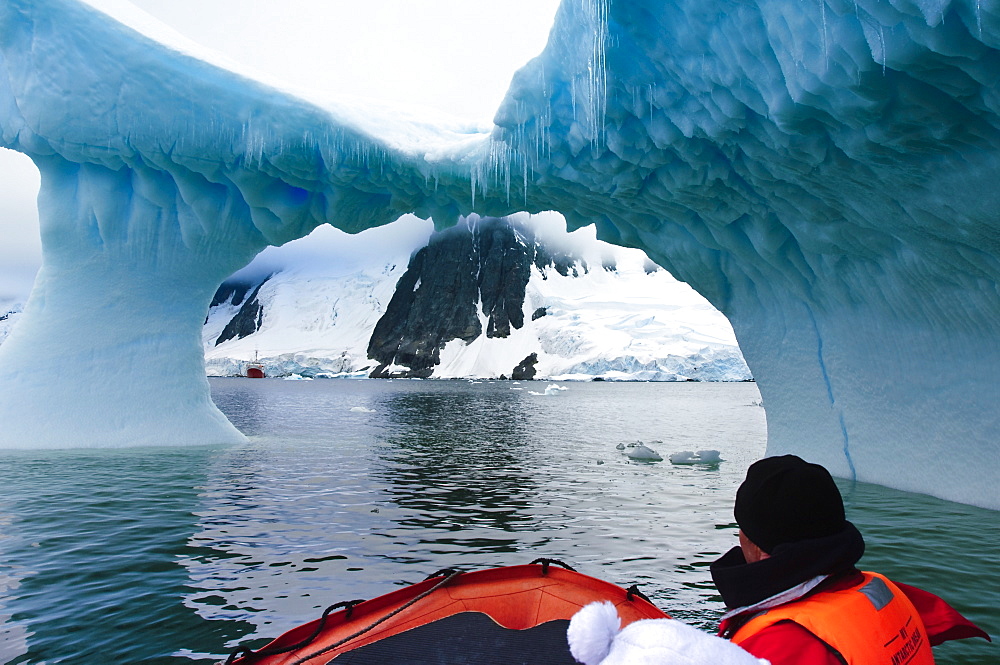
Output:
x=487 y=264
x=563 y=263
x=434 y=303
x=251 y=315
x=525 y=370
x=232 y=292
x=505 y=257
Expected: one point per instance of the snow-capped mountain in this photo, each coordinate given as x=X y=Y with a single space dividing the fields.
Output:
x=490 y=298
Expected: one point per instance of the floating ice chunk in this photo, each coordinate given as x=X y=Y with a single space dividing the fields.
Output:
x=297 y=377
x=361 y=409
x=620 y=446
x=700 y=457
x=551 y=389
x=643 y=453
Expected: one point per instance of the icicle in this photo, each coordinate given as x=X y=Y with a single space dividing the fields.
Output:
x=524 y=168
x=572 y=96
x=596 y=11
x=826 y=44
x=881 y=39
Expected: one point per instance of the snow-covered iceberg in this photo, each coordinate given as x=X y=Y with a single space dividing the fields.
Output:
x=824 y=173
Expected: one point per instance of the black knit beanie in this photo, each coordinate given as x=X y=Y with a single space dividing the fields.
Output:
x=786 y=499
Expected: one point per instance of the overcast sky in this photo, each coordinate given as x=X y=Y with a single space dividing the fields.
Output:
x=453 y=55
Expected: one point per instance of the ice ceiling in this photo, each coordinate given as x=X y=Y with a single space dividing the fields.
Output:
x=825 y=173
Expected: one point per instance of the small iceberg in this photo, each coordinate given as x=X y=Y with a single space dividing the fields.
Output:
x=642 y=453
x=551 y=389
x=700 y=457
x=361 y=409
x=297 y=377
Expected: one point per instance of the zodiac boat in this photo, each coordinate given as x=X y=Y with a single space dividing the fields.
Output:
x=498 y=616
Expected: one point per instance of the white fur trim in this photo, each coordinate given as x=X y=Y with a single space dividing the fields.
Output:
x=667 y=641
x=595 y=639
x=591 y=632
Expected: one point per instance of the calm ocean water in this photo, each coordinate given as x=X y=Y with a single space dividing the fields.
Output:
x=347 y=489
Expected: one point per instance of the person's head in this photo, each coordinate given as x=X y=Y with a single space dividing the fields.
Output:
x=784 y=500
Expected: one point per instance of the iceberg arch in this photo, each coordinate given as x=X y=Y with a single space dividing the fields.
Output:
x=824 y=173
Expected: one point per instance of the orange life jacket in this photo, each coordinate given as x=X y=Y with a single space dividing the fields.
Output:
x=871 y=623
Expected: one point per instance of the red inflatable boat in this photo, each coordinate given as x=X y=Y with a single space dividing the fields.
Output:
x=499 y=616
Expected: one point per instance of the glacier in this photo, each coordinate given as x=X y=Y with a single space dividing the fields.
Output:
x=823 y=173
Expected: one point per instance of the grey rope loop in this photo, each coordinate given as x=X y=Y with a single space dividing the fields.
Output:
x=546 y=562
x=633 y=591
x=442 y=573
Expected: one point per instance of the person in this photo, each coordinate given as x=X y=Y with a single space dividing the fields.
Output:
x=792 y=589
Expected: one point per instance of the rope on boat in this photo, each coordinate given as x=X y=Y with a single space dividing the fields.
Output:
x=274 y=651
x=388 y=616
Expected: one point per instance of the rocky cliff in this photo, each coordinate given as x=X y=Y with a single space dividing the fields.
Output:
x=468 y=281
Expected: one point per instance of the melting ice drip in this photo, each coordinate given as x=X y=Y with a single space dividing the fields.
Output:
x=582 y=68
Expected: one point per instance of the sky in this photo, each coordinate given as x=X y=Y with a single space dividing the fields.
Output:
x=456 y=56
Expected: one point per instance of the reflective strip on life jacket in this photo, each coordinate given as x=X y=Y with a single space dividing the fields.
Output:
x=871 y=622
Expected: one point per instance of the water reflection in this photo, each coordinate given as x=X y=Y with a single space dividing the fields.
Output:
x=454 y=464
x=244 y=404
x=13 y=635
x=94 y=542
x=280 y=525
